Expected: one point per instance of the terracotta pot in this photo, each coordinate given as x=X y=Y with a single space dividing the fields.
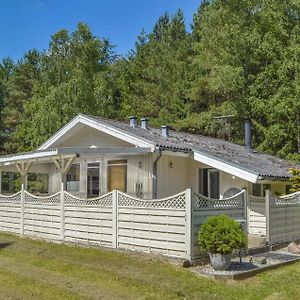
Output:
x=220 y=261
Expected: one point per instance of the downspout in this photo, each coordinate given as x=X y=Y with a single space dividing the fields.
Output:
x=154 y=177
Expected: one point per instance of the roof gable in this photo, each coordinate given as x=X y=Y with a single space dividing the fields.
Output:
x=67 y=135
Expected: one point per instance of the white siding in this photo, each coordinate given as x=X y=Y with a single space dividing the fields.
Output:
x=228 y=181
x=172 y=175
x=139 y=171
x=88 y=137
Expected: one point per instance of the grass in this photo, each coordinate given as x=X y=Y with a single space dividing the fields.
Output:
x=34 y=269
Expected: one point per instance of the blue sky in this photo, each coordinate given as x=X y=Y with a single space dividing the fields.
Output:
x=27 y=24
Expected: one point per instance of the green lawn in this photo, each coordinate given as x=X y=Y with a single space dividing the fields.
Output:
x=31 y=269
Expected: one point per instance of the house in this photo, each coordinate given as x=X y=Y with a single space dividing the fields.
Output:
x=91 y=156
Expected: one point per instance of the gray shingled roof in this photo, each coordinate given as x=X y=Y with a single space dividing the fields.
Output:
x=264 y=165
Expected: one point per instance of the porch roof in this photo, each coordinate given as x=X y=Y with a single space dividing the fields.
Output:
x=66 y=152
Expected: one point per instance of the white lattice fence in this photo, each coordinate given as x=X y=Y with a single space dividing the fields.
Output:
x=42 y=216
x=10 y=212
x=203 y=207
x=257 y=215
x=153 y=225
x=88 y=220
x=284 y=218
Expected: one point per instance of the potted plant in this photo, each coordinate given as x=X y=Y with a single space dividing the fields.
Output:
x=219 y=236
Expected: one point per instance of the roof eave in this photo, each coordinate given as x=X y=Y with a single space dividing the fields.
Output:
x=225 y=166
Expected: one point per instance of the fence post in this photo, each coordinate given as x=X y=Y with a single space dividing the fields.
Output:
x=62 y=211
x=189 y=224
x=115 y=219
x=268 y=209
x=22 y=208
x=246 y=210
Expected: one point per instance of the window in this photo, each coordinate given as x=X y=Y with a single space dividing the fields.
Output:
x=209 y=183
x=117 y=175
x=93 y=179
x=73 y=178
x=203 y=182
x=256 y=189
x=11 y=182
x=259 y=189
x=214 y=183
x=38 y=183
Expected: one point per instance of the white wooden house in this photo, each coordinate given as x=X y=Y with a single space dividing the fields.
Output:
x=91 y=156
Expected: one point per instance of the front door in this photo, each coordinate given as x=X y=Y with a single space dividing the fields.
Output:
x=93 y=179
x=117 y=175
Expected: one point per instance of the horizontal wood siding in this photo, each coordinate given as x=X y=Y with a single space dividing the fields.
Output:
x=152 y=230
x=88 y=224
x=10 y=215
x=152 y=225
x=42 y=220
x=284 y=218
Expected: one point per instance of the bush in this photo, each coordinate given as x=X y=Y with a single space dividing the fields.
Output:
x=221 y=234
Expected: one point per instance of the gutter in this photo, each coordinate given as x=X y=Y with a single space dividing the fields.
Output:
x=154 y=176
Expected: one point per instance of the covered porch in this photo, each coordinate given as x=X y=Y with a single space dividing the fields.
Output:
x=84 y=172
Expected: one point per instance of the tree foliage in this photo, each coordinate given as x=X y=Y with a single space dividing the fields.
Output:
x=295 y=180
x=240 y=58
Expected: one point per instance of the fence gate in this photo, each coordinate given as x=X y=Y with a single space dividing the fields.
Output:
x=257 y=215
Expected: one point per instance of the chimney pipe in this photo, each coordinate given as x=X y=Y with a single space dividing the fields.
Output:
x=133 y=121
x=144 y=123
x=248 y=142
x=165 y=131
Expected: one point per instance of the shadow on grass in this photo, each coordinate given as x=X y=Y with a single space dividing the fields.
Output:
x=5 y=245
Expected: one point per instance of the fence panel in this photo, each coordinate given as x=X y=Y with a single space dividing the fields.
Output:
x=257 y=215
x=284 y=218
x=88 y=220
x=10 y=213
x=203 y=207
x=152 y=225
x=42 y=216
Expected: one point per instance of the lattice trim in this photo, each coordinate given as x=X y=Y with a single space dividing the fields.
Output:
x=288 y=200
x=105 y=200
x=51 y=199
x=201 y=202
x=173 y=202
x=13 y=198
x=256 y=199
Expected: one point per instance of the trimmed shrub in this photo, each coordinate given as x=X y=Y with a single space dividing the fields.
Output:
x=221 y=234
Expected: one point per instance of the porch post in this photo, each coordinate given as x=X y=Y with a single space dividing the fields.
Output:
x=63 y=166
x=23 y=170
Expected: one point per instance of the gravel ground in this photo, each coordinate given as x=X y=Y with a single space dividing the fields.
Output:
x=250 y=262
